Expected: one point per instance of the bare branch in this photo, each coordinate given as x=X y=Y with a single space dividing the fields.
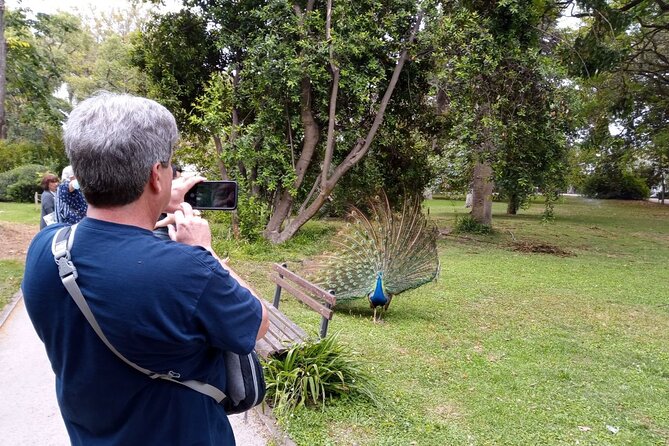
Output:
x=362 y=147
x=329 y=147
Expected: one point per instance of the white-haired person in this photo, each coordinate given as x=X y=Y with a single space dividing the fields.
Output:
x=168 y=306
x=71 y=204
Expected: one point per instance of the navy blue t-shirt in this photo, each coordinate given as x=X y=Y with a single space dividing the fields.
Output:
x=165 y=306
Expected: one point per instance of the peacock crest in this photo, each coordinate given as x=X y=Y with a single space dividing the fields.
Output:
x=381 y=255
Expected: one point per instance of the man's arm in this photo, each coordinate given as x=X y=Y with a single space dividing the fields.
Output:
x=191 y=229
x=264 y=323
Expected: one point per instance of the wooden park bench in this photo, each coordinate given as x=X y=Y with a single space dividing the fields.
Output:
x=284 y=333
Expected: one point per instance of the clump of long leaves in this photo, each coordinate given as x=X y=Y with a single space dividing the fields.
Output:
x=312 y=373
x=469 y=225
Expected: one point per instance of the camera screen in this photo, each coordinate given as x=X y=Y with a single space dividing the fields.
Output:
x=220 y=195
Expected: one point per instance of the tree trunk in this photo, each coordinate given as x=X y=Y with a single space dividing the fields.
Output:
x=482 y=193
x=284 y=203
x=219 y=151
x=3 y=74
x=512 y=207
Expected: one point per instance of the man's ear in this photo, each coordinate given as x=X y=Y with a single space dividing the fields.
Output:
x=155 y=177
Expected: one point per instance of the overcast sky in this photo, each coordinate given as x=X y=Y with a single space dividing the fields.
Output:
x=51 y=6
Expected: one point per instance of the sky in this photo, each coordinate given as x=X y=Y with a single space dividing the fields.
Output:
x=51 y=6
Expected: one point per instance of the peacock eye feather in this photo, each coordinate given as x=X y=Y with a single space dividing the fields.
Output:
x=383 y=254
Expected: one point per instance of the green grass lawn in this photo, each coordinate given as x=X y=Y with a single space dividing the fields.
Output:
x=11 y=272
x=23 y=213
x=510 y=347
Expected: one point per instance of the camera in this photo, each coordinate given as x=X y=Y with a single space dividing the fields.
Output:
x=213 y=195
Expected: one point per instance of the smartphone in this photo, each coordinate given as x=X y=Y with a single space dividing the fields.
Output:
x=213 y=195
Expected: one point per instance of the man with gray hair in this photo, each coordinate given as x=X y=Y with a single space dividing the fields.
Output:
x=169 y=306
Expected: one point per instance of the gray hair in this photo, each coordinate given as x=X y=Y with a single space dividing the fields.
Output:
x=113 y=141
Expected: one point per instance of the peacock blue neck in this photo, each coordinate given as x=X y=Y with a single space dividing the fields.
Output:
x=378 y=297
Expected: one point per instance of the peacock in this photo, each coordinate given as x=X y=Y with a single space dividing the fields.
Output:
x=380 y=256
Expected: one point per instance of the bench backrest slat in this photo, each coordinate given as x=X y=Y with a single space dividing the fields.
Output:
x=302 y=296
x=308 y=286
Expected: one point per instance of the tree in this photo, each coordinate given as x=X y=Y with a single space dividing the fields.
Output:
x=498 y=93
x=307 y=88
x=622 y=56
x=38 y=59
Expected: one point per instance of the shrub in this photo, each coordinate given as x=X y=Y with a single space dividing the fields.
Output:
x=15 y=153
x=21 y=183
x=616 y=184
x=469 y=225
x=314 y=372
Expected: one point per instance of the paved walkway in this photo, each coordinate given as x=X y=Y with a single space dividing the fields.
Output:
x=29 y=412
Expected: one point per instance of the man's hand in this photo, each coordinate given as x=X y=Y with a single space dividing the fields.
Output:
x=180 y=186
x=165 y=222
x=191 y=229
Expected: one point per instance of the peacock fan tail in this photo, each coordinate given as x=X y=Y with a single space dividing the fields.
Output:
x=402 y=246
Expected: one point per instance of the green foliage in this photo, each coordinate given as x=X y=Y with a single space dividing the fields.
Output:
x=467 y=224
x=611 y=183
x=253 y=215
x=49 y=152
x=621 y=57
x=38 y=52
x=21 y=183
x=178 y=52
x=314 y=373
x=500 y=97
x=103 y=58
x=265 y=99
x=107 y=66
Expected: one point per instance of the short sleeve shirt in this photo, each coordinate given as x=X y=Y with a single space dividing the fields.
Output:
x=165 y=306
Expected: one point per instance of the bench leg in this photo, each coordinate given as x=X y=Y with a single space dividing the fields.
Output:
x=324 y=324
x=277 y=297
x=324 y=327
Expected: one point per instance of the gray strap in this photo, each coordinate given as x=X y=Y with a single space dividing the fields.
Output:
x=60 y=247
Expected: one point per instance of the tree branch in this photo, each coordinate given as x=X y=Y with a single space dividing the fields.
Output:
x=329 y=147
x=362 y=146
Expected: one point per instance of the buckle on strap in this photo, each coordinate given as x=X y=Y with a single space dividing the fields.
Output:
x=66 y=267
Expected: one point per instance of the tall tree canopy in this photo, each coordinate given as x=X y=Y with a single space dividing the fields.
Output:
x=621 y=55
x=501 y=98
x=293 y=94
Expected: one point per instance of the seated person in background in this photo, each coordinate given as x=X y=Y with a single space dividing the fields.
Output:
x=70 y=202
x=49 y=185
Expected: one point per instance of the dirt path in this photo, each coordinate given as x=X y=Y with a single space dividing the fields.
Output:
x=15 y=239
